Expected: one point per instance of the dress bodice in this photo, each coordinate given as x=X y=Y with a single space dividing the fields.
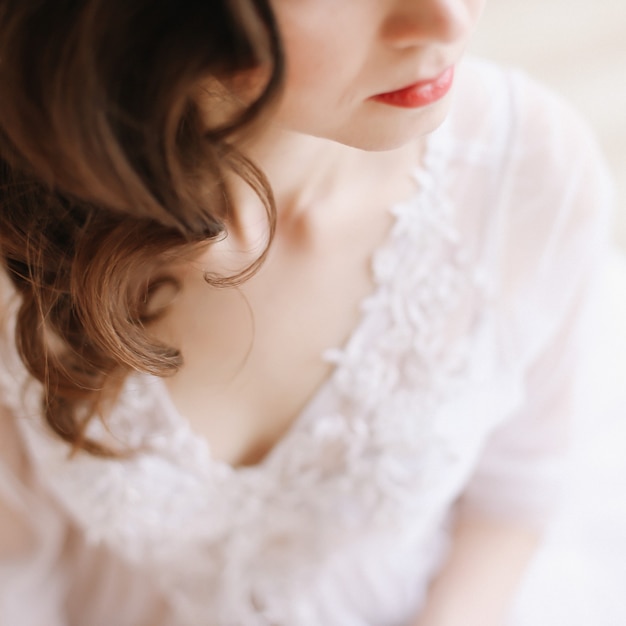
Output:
x=433 y=399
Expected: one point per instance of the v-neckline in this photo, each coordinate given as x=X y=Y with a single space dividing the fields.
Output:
x=422 y=175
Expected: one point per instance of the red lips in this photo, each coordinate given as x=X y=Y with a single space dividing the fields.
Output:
x=419 y=94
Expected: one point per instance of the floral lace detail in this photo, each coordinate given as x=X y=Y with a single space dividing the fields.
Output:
x=379 y=450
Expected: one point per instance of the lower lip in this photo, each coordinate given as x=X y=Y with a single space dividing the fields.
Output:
x=420 y=94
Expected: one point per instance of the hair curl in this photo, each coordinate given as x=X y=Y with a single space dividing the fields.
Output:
x=107 y=166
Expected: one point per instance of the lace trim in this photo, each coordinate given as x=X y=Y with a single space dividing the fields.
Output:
x=370 y=453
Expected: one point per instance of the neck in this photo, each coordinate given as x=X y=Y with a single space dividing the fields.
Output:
x=314 y=182
x=303 y=171
x=307 y=172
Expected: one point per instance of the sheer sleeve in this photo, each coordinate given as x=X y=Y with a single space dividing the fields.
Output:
x=550 y=241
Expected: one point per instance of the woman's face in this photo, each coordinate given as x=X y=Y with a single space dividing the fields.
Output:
x=372 y=74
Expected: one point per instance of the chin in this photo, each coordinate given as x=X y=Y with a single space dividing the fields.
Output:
x=393 y=131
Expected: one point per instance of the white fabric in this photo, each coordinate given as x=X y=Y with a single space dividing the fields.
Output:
x=454 y=391
x=577 y=577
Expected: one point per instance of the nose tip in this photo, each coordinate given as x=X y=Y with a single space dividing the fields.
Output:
x=415 y=22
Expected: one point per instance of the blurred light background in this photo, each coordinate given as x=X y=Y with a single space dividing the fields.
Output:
x=578 y=47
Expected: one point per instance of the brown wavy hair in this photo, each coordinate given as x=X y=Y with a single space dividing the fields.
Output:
x=108 y=168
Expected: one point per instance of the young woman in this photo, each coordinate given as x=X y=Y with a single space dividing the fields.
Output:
x=281 y=345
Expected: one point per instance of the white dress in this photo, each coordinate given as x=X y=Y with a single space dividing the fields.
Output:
x=453 y=393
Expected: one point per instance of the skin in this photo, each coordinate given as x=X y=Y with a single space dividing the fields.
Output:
x=367 y=48
x=336 y=161
x=334 y=177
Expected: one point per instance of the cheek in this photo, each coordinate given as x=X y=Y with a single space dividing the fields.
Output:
x=316 y=82
x=319 y=45
x=307 y=57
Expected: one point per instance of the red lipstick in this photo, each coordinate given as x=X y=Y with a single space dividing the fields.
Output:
x=419 y=94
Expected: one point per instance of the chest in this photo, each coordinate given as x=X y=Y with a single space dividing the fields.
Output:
x=391 y=438
x=253 y=354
